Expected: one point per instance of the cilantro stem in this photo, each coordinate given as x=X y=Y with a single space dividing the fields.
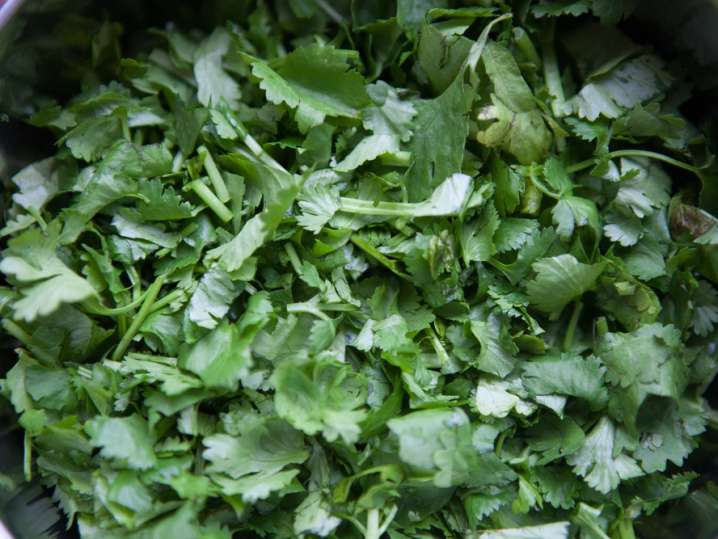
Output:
x=572 y=324
x=210 y=199
x=215 y=176
x=27 y=456
x=552 y=73
x=385 y=209
x=634 y=153
x=167 y=300
x=330 y=11
x=251 y=142
x=293 y=258
x=601 y=327
x=16 y=331
x=38 y=217
x=374 y=527
x=438 y=347
x=531 y=198
x=25 y=338
x=177 y=162
x=100 y=310
x=121 y=323
x=388 y=520
x=136 y=282
x=144 y=311
x=539 y=184
x=380 y=257
x=397 y=159
x=307 y=308
x=338 y=307
x=526 y=46
x=125 y=126
x=372 y=524
x=625 y=529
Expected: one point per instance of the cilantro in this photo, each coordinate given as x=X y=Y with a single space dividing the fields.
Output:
x=358 y=269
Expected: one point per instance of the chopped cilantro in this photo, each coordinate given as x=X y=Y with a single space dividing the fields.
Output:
x=415 y=268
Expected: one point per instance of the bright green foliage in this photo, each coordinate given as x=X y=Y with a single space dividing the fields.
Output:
x=414 y=268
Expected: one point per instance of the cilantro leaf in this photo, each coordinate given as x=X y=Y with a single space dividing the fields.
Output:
x=317 y=82
x=45 y=281
x=559 y=280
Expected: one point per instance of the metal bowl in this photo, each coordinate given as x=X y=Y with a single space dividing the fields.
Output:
x=8 y=9
x=692 y=27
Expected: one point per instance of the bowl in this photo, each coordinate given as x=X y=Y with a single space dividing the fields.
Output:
x=692 y=27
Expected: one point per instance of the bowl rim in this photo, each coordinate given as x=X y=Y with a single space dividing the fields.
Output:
x=8 y=8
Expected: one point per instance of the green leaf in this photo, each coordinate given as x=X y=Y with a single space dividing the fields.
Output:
x=555 y=438
x=440 y=130
x=644 y=362
x=125 y=439
x=45 y=281
x=367 y=150
x=314 y=517
x=519 y=127
x=559 y=280
x=161 y=203
x=259 y=229
x=316 y=81
x=50 y=388
x=214 y=84
x=264 y=445
x=572 y=212
x=574 y=8
x=440 y=440
x=411 y=14
x=212 y=298
x=321 y=397
x=669 y=435
x=92 y=138
x=258 y=486
x=477 y=237
x=37 y=184
x=513 y=233
x=497 y=347
x=573 y=376
x=599 y=463
x=633 y=82
x=509 y=187
x=613 y=12
x=223 y=357
x=389 y=115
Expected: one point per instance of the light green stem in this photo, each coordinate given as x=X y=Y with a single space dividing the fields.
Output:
x=572 y=324
x=307 y=308
x=387 y=521
x=397 y=159
x=372 y=525
x=27 y=456
x=215 y=176
x=552 y=74
x=210 y=199
x=152 y=293
x=293 y=258
x=166 y=300
x=25 y=338
x=634 y=153
x=97 y=308
x=136 y=281
x=251 y=142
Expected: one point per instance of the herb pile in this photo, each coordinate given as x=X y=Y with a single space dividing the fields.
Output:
x=426 y=269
